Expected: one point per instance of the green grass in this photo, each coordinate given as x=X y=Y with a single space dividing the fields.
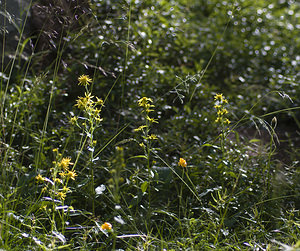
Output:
x=127 y=126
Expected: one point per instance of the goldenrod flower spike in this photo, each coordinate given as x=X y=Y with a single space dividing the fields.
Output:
x=106 y=226
x=182 y=162
x=221 y=111
x=84 y=80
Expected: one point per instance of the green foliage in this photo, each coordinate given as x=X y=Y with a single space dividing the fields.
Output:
x=165 y=164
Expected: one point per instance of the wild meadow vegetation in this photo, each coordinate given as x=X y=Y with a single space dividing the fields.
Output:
x=151 y=125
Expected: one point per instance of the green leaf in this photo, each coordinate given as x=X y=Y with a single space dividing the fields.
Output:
x=138 y=156
x=144 y=186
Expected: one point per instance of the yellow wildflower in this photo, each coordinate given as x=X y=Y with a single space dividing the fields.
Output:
x=224 y=111
x=227 y=121
x=219 y=113
x=43 y=207
x=144 y=102
x=71 y=175
x=98 y=119
x=219 y=97
x=84 y=102
x=81 y=103
x=106 y=226
x=57 y=180
x=151 y=120
x=218 y=120
x=96 y=112
x=40 y=178
x=182 y=162
x=61 y=195
x=73 y=120
x=65 y=189
x=152 y=137
x=64 y=163
x=99 y=101
x=84 y=80
x=140 y=128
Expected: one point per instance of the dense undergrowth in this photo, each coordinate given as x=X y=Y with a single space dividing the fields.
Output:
x=153 y=125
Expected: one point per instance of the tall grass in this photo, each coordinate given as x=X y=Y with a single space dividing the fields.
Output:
x=74 y=177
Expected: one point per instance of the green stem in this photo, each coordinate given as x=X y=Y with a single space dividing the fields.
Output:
x=92 y=171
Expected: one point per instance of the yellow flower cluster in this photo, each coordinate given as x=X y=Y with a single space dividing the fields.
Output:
x=145 y=103
x=56 y=187
x=69 y=174
x=221 y=101
x=84 y=102
x=90 y=106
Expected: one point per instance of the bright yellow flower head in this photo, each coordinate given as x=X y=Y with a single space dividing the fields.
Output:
x=64 y=163
x=219 y=96
x=61 y=195
x=106 y=226
x=71 y=175
x=182 y=162
x=84 y=80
